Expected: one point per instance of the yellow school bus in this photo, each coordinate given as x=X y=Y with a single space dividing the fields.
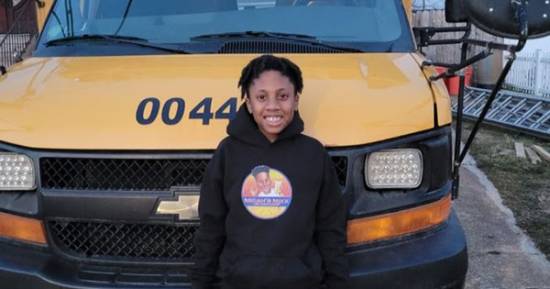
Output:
x=106 y=131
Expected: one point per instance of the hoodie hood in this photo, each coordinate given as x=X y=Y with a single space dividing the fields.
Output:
x=245 y=129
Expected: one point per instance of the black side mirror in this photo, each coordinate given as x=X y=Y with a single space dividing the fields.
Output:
x=500 y=17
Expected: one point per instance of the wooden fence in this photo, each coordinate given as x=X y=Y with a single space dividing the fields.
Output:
x=447 y=53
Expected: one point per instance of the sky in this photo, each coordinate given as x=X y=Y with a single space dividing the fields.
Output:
x=534 y=44
x=428 y=4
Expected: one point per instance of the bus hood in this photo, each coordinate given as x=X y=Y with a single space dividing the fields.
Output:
x=91 y=103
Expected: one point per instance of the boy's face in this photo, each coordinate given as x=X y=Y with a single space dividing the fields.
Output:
x=263 y=182
x=272 y=102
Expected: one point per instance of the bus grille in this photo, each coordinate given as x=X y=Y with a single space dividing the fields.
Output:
x=139 y=242
x=121 y=174
x=122 y=241
x=341 y=166
x=134 y=174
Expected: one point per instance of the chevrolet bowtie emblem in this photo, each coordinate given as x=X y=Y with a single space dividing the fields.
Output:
x=186 y=207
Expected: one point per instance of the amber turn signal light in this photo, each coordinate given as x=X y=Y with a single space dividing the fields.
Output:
x=22 y=229
x=387 y=226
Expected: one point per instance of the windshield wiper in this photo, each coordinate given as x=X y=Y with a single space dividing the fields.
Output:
x=116 y=39
x=250 y=34
x=308 y=39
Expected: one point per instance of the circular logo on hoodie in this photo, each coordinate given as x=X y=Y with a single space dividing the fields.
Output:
x=266 y=193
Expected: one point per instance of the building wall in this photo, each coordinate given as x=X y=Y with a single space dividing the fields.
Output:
x=3 y=16
x=24 y=11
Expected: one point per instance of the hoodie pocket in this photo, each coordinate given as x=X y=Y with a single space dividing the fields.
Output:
x=270 y=272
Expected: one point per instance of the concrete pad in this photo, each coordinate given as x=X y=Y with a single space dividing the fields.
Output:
x=501 y=256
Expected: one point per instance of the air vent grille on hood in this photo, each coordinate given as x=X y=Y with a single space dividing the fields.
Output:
x=271 y=46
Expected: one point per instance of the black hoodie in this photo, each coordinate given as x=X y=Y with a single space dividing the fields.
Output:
x=271 y=214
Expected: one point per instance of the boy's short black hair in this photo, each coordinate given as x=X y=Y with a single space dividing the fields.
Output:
x=260 y=169
x=269 y=62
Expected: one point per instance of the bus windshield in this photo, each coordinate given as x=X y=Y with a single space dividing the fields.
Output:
x=365 y=25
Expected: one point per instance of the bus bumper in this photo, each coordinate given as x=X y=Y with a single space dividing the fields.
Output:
x=432 y=260
x=437 y=259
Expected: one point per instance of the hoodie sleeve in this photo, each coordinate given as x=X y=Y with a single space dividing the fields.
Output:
x=210 y=237
x=331 y=229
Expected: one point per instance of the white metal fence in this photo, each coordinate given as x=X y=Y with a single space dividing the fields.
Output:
x=531 y=74
x=12 y=46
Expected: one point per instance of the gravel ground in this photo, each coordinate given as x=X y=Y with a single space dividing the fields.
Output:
x=497 y=206
x=523 y=186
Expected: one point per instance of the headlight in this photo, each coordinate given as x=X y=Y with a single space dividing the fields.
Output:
x=396 y=168
x=16 y=172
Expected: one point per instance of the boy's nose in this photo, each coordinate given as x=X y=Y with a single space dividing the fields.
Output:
x=272 y=103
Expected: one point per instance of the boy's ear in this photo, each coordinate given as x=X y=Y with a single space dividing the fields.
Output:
x=297 y=101
x=248 y=105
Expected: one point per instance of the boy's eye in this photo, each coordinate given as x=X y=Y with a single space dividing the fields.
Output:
x=260 y=97
x=283 y=96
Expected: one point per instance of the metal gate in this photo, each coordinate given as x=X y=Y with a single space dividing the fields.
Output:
x=510 y=109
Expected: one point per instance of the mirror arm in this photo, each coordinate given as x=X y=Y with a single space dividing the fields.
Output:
x=425 y=35
x=458 y=128
x=443 y=42
x=486 y=108
x=491 y=45
x=488 y=104
x=521 y=13
x=464 y=63
x=520 y=7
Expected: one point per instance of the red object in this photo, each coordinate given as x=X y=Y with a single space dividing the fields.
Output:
x=453 y=83
x=441 y=69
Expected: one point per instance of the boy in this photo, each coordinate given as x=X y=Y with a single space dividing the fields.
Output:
x=295 y=241
x=264 y=184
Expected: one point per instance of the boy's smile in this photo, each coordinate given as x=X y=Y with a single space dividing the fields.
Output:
x=263 y=182
x=272 y=101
